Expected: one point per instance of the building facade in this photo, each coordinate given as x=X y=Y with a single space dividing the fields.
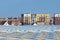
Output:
x=56 y=19
x=42 y=19
x=26 y=19
x=33 y=18
x=2 y=21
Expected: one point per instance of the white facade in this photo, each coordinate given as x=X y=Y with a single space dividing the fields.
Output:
x=57 y=15
x=27 y=14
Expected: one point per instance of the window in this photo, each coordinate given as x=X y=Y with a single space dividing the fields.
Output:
x=26 y=20
x=59 y=19
x=41 y=19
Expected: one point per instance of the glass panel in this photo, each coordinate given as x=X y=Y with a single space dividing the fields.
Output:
x=26 y=20
x=41 y=19
x=58 y=18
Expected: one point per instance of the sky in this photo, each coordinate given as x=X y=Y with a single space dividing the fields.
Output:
x=15 y=8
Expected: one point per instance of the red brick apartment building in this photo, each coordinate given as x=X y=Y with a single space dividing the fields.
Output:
x=56 y=19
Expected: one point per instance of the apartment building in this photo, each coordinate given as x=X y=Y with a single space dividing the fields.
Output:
x=31 y=19
x=56 y=19
x=26 y=19
x=42 y=19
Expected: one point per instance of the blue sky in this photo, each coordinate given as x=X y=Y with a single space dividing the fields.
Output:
x=16 y=7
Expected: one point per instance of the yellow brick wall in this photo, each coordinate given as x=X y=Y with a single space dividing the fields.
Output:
x=47 y=17
x=37 y=17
